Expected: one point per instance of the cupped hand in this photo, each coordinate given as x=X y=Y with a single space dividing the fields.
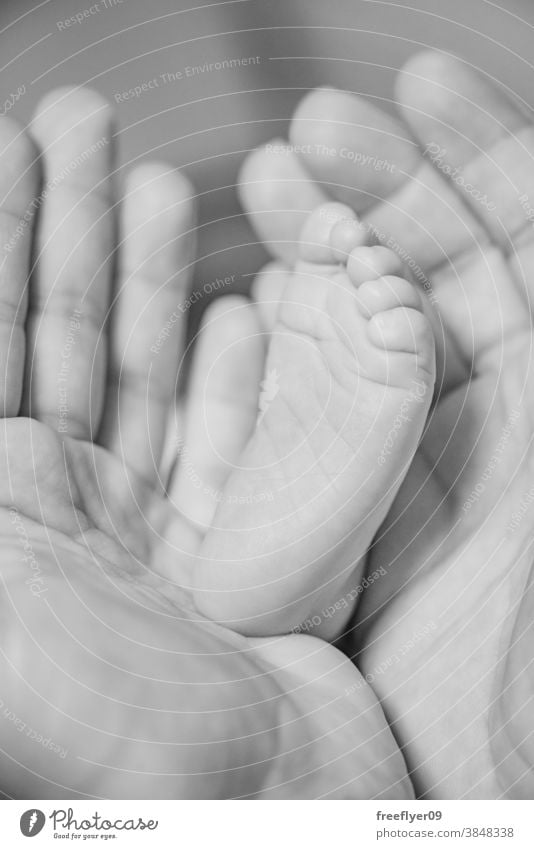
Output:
x=445 y=636
x=112 y=686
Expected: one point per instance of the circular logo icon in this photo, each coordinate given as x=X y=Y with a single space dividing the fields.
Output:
x=32 y=822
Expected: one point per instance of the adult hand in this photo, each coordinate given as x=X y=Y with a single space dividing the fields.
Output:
x=445 y=637
x=111 y=685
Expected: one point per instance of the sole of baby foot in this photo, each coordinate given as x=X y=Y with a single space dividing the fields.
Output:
x=351 y=372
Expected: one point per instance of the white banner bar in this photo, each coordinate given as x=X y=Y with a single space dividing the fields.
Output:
x=268 y=825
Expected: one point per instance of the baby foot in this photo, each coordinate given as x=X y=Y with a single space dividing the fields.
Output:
x=348 y=385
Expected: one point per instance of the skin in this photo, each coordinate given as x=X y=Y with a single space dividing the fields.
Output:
x=457 y=700
x=350 y=344
x=112 y=686
x=445 y=638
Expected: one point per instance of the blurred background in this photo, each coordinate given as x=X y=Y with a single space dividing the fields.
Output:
x=204 y=122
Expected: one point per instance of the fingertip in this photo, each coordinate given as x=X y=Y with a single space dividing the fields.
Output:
x=346 y=235
x=429 y=64
x=270 y=162
x=155 y=187
x=14 y=138
x=448 y=102
x=277 y=193
x=315 y=241
x=317 y=114
x=269 y=175
x=64 y=108
x=360 y=152
x=227 y=320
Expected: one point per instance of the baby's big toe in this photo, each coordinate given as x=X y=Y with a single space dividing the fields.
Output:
x=401 y=329
x=330 y=233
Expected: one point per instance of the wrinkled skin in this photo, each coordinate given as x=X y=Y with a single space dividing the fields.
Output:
x=111 y=685
x=445 y=638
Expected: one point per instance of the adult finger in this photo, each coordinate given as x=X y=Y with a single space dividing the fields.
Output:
x=479 y=141
x=278 y=194
x=149 y=314
x=72 y=275
x=18 y=189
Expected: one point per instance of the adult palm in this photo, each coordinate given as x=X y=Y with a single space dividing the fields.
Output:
x=445 y=638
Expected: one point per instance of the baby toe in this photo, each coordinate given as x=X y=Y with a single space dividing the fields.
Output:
x=404 y=329
x=346 y=235
x=369 y=263
x=315 y=234
x=386 y=293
